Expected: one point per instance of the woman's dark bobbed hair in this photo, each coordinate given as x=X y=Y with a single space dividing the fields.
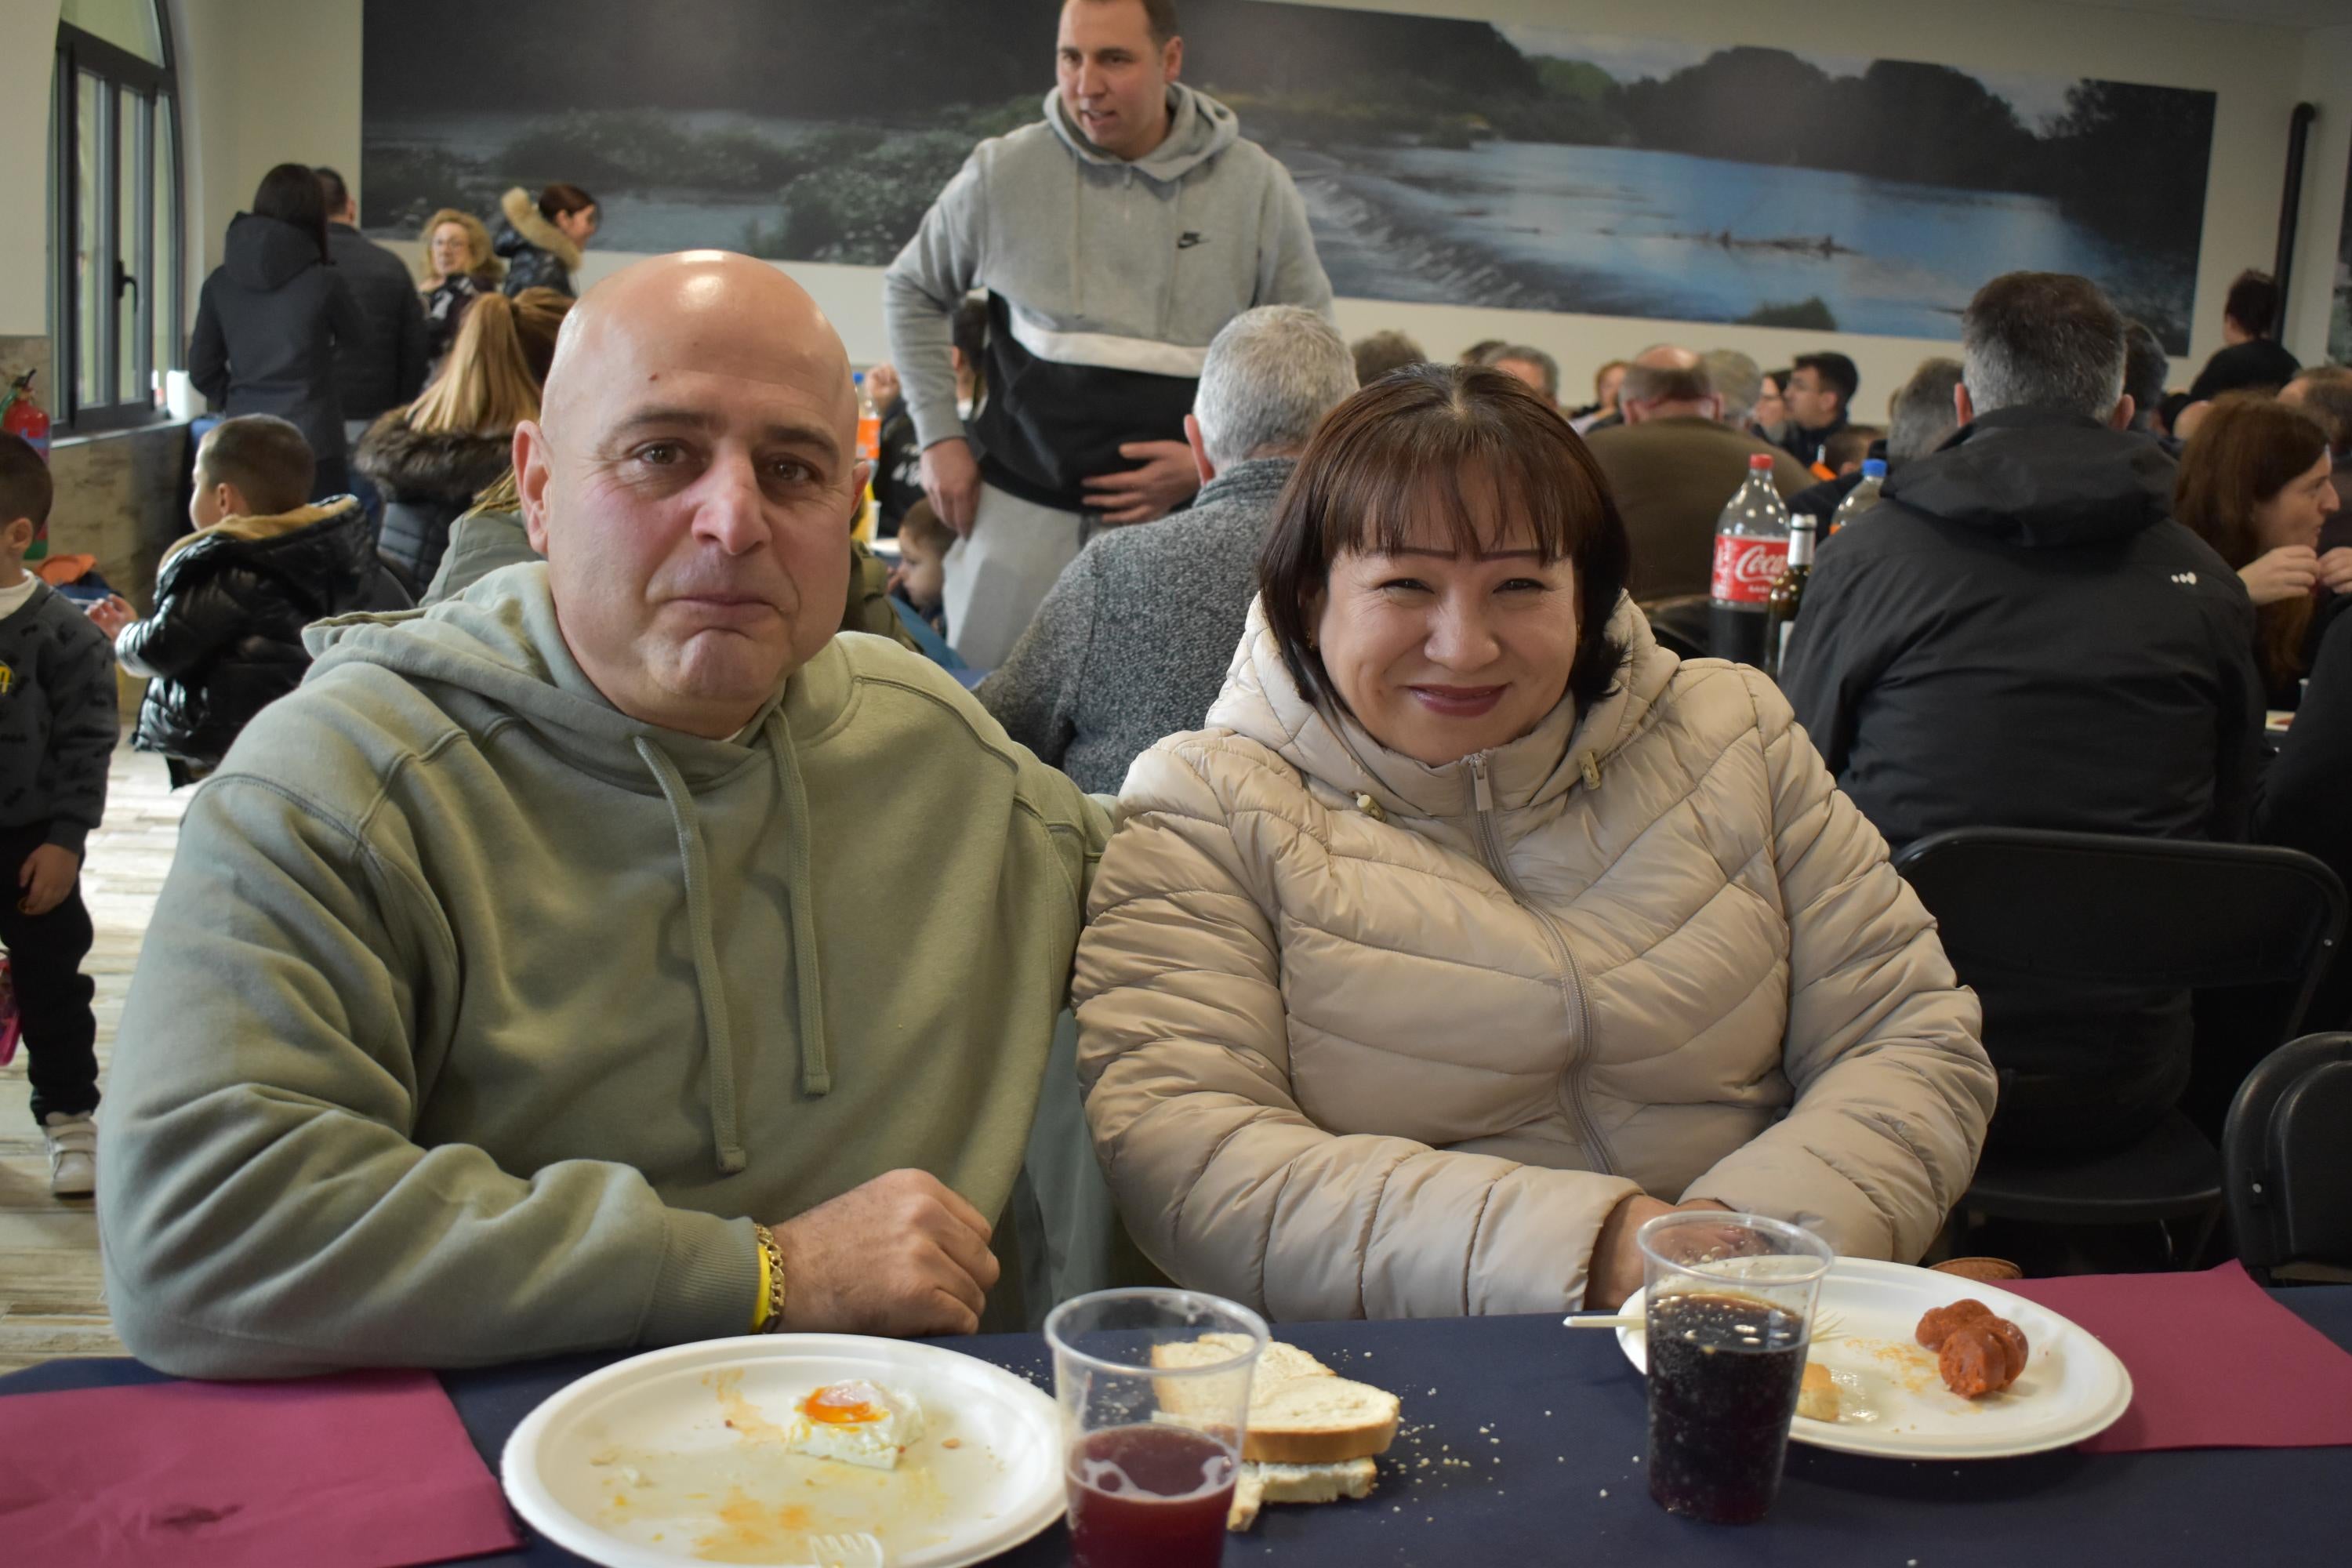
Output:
x=1422 y=443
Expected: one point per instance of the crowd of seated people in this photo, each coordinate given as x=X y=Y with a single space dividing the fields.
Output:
x=617 y=943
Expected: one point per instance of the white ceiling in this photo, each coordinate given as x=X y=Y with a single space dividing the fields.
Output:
x=2270 y=12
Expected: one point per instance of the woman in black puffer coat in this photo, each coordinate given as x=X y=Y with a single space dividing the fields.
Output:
x=539 y=241
x=432 y=457
x=271 y=316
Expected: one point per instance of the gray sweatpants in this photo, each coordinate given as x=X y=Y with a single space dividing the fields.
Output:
x=998 y=576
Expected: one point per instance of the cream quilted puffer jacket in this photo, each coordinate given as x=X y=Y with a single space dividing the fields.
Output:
x=1364 y=1037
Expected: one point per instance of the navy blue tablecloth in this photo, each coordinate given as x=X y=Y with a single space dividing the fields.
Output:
x=1521 y=1445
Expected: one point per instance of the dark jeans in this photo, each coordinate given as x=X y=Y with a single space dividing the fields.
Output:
x=45 y=954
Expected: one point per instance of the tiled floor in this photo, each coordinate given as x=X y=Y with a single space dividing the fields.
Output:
x=49 y=1290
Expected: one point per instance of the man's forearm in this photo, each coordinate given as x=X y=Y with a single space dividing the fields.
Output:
x=922 y=336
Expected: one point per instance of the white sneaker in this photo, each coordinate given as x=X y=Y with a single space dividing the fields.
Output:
x=73 y=1153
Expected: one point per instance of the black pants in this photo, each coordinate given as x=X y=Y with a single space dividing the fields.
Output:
x=45 y=954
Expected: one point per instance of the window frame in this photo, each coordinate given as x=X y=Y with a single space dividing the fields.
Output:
x=126 y=80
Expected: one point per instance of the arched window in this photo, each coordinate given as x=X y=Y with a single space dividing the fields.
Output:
x=115 y=241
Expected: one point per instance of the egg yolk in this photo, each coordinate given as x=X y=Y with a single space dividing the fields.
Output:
x=843 y=1405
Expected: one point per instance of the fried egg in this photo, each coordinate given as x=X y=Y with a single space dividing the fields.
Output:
x=856 y=1422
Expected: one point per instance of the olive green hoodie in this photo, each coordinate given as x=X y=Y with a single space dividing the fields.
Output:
x=478 y=1021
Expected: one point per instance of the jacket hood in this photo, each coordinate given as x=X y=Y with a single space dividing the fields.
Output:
x=449 y=467
x=526 y=225
x=1199 y=127
x=2041 y=478
x=328 y=546
x=266 y=253
x=1262 y=703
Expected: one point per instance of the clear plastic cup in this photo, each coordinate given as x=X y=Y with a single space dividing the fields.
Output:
x=1151 y=1452
x=1729 y=1300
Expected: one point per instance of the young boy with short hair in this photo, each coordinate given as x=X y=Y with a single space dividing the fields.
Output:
x=57 y=731
x=225 y=638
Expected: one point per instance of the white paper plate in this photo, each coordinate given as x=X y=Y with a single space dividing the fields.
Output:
x=1894 y=1402
x=636 y=1466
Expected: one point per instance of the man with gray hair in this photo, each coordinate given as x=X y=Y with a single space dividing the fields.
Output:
x=2019 y=634
x=1738 y=382
x=1133 y=641
x=1672 y=465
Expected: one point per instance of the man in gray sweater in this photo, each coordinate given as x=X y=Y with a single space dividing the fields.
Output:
x=1113 y=238
x=1133 y=641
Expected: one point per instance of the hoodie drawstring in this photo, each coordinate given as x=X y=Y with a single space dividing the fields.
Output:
x=719 y=1039
x=808 y=991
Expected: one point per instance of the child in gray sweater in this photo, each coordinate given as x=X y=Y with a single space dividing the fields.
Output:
x=57 y=730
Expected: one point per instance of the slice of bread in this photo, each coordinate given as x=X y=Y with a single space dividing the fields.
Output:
x=1300 y=1412
x=1262 y=1484
x=1319 y=1421
x=1817 y=1397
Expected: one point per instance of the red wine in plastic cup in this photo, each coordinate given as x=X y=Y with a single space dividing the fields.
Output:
x=1149 y=1497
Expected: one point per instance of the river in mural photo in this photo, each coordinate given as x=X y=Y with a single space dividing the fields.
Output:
x=1629 y=232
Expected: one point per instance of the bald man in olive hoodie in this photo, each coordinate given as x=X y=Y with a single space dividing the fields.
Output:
x=543 y=949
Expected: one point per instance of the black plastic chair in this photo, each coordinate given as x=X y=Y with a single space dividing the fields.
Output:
x=2286 y=1157
x=2099 y=910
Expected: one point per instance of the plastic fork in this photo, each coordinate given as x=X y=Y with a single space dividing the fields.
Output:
x=859 y=1551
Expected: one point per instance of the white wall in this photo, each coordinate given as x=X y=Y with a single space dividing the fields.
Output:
x=273 y=79
x=2327 y=82
x=28 y=52
x=267 y=82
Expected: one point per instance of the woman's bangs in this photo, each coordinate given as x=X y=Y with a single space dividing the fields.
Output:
x=1475 y=497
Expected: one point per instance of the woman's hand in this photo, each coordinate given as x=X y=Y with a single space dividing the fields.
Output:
x=2277 y=575
x=1616 y=1271
x=2335 y=569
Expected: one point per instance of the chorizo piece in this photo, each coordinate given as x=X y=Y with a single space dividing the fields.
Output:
x=1941 y=1321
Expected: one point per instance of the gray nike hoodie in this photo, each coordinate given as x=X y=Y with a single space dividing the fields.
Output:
x=1105 y=279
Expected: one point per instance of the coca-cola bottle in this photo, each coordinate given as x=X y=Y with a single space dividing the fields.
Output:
x=1751 y=547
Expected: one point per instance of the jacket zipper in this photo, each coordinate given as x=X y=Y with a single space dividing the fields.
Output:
x=1490 y=849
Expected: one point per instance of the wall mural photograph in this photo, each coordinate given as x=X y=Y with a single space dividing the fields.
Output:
x=1442 y=159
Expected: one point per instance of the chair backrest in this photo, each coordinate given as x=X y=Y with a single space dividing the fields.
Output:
x=2100 y=908
x=2286 y=1156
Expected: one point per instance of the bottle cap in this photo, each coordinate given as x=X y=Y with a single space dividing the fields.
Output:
x=1874 y=467
x=1759 y=461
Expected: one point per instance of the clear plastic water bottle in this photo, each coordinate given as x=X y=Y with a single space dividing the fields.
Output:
x=1751 y=548
x=1863 y=497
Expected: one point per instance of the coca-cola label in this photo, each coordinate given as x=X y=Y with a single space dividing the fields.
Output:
x=1746 y=567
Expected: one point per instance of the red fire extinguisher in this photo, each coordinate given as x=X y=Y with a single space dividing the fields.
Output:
x=21 y=415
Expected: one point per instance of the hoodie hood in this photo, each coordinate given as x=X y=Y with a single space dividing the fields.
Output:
x=1199 y=127
x=501 y=642
x=525 y=226
x=2040 y=478
x=1262 y=703
x=264 y=254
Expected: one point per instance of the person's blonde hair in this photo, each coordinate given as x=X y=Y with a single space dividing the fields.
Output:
x=481 y=260
x=486 y=385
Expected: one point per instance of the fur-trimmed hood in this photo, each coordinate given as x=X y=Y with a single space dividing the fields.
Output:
x=255 y=530
x=530 y=226
x=445 y=467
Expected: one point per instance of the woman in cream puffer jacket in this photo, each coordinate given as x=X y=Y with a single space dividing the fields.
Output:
x=1364 y=1037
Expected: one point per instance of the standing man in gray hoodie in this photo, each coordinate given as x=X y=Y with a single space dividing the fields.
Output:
x=1113 y=240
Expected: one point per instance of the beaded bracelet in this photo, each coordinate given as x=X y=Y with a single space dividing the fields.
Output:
x=774 y=1320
